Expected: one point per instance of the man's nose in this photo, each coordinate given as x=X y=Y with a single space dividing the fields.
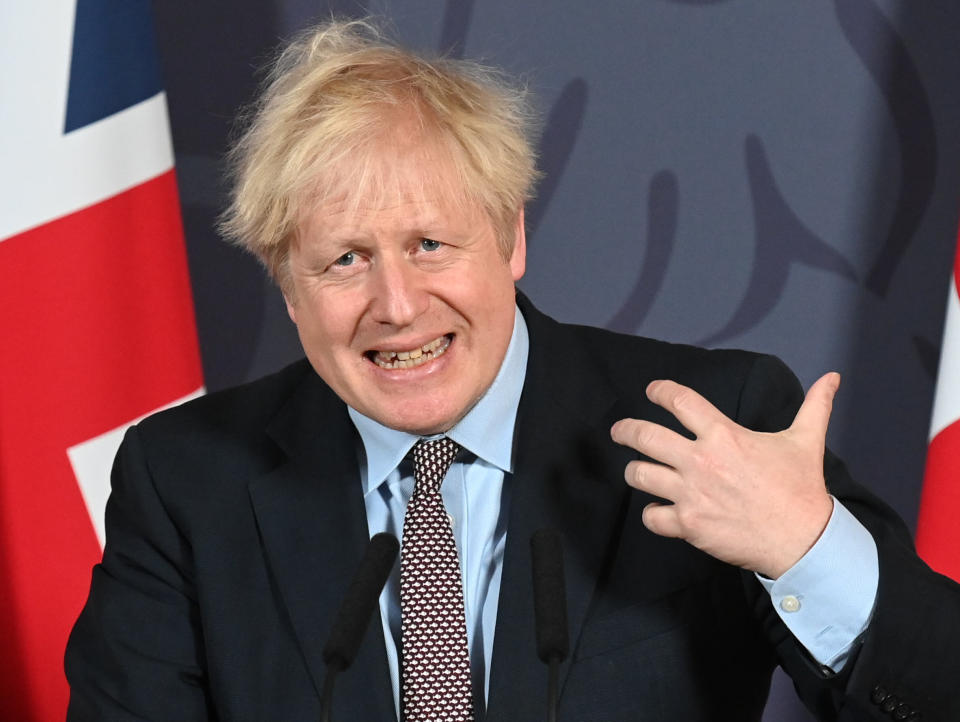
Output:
x=399 y=294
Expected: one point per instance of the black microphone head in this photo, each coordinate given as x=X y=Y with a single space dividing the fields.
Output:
x=549 y=596
x=360 y=601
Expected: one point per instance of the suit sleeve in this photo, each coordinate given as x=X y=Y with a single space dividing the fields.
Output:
x=906 y=667
x=136 y=651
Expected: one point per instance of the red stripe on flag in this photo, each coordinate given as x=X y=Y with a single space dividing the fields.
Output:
x=956 y=267
x=938 y=538
x=98 y=326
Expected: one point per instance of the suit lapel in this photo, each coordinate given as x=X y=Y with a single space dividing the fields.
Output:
x=313 y=525
x=569 y=477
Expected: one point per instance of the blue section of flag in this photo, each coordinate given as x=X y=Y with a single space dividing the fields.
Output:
x=114 y=62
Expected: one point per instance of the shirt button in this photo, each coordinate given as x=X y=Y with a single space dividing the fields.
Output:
x=450 y=519
x=790 y=603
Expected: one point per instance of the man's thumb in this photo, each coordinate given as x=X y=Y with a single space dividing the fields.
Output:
x=814 y=414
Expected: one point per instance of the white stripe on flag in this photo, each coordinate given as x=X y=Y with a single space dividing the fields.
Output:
x=946 y=400
x=47 y=174
x=91 y=461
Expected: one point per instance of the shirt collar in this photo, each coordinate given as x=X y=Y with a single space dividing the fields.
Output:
x=486 y=430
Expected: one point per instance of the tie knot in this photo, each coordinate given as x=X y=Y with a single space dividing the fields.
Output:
x=431 y=460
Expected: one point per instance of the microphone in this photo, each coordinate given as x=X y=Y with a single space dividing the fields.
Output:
x=355 y=611
x=550 y=609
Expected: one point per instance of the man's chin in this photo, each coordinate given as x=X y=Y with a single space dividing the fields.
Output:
x=420 y=421
x=421 y=427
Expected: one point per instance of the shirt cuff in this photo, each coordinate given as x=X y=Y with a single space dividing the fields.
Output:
x=826 y=599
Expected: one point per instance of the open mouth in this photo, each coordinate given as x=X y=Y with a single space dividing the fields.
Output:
x=412 y=358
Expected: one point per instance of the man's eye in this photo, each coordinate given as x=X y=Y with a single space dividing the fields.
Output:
x=429 y=245
x=346 y=259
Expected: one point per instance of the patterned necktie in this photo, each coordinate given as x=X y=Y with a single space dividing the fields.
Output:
x=436 y=663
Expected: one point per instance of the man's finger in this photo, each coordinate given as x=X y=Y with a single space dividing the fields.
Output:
x=814 y=415
x=655 y=479
x=690 y=408
x=653 y=440
x=662 y=519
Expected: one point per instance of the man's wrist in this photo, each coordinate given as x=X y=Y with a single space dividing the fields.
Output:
x=826 y=599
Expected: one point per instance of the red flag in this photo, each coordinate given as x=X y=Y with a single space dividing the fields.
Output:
x=96 y=316
x=938 y=526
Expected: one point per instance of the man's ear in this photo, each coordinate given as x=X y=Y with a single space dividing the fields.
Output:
x=289 y=300
x=518 y=258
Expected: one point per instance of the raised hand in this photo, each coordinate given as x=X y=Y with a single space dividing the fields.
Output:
x=756 y=500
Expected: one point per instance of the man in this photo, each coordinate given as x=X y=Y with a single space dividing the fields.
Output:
x=384 y=193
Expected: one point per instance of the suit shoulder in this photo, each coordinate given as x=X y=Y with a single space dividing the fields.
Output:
x=625 y=357
x=216 y=442
x=621 y=353
x=743 y=384
x=246 y=406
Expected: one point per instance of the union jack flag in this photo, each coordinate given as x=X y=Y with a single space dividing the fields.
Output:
x=938 y=528
x=96 y=315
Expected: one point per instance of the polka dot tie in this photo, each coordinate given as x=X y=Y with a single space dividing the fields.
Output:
x=436 y=663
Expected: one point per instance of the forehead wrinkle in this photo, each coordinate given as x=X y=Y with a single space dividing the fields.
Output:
x=421 y=210
x=342 y=224
x=348 y=223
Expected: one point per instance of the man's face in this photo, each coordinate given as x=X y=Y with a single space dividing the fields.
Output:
x=405 y=307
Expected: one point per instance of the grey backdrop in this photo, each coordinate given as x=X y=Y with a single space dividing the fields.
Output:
x=767 y=174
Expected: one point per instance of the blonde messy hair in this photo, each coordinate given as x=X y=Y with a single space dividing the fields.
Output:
x=335 y=97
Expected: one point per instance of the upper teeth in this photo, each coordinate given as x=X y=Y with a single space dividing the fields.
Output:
x=413 y=357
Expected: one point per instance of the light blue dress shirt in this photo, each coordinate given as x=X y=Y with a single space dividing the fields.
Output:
x=473 y=493
x=826 y=599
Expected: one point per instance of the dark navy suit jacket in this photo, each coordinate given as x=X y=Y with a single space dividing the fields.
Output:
x=236 y=521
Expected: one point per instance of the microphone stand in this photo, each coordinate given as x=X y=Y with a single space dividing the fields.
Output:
x=550 y=610
x=553 y=687
x=326 y=700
